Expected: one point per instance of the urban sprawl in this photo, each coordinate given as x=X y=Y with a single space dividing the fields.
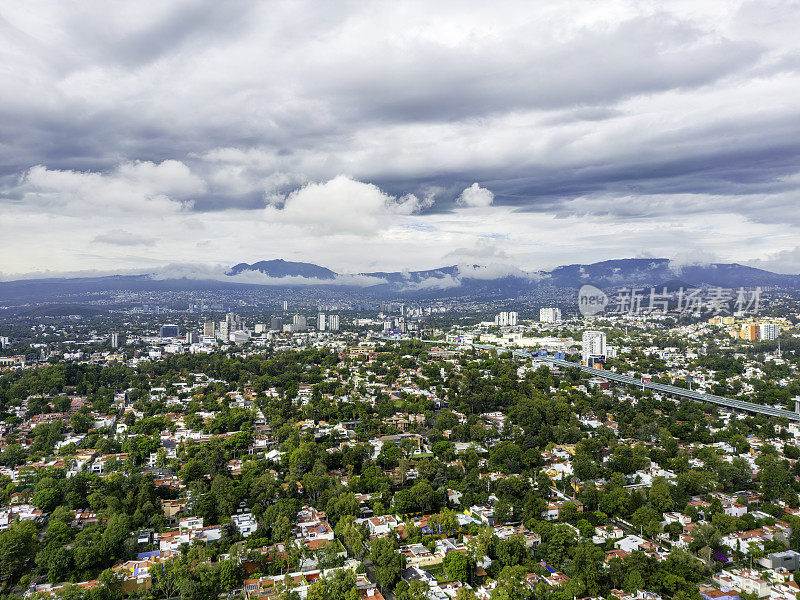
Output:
x=303 y=451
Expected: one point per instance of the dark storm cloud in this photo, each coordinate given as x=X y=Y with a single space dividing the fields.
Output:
x=623 y=112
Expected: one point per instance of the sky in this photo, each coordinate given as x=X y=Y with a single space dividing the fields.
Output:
x=362 y=136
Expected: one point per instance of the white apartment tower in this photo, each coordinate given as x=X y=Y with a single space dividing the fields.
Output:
x=333 y=322
x=321 y=321
x=594 y=346
x=506 y=319
x=550 y=315
x=769 y=331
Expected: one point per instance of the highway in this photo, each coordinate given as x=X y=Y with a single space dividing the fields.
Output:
x=677 y=391
x=729 y=403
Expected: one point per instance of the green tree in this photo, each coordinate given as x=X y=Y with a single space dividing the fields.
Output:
x=18 y=545
x=457 y=567
x=387 y=561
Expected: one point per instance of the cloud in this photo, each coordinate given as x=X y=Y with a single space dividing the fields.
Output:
x=446 y=281
x=783 y=261
x=206 y=272
x=120 y=237
x=491 y=271
x=476 y=196
x=598 y=130
x=343 y=205
x=132 y=187
x=482 y=249
x=693 y=258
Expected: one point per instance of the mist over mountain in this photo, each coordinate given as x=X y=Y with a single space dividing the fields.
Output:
x=282 y=268
x=490 y=281
x=662 y=271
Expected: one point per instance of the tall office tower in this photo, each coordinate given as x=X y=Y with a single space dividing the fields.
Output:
x=224 y=331
x=333 y=322
x=321 y=321
x=769 y=331
x=299 y=323
x=169 y=331
x=285 y=305
x=234 y=321
x=513 y=318
x=114 y=339
x=260 y=327
x=276 y=324
x=209 y=328
x=550 y=315
x=192 y=337
x=594 y=346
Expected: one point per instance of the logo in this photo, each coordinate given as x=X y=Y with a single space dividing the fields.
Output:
x=591 y=300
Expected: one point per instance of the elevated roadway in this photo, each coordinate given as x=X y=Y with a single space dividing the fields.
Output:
x=740 y=405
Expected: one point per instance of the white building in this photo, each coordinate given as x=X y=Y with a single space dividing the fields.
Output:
x=240 y=337
x=245 y=523
x=769 y=331
x=506 y=319
x=594 y=346
x=550 y=315
x=333 y=322
x=321 y=321
x=299 y=323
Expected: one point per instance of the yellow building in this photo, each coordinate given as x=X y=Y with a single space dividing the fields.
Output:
x=749 y=332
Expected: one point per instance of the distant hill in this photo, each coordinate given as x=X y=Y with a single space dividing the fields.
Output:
x=283 y=268
x=658 y=271
x=465 y=280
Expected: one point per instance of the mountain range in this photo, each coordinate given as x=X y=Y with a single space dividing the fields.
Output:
x=495 y=281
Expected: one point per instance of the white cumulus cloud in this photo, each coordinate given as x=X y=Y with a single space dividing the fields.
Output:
x=343 y=205
x=476 y=196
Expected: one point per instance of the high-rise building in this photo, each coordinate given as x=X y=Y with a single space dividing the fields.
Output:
x=594 y=347
x=550 y=315
x=209 y=329
x=234 y=321
x=506 y=319
x=321 y=321
x=333 y=322
x=114 y=339
x=299 y=323
x=285 y=305
x=192 y=337
x=169 y=331
x=749 y=332
x=276 y=324
x=224 y=331
x=769 y=331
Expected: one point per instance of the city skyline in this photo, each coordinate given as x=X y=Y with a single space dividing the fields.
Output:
x=161 y=137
